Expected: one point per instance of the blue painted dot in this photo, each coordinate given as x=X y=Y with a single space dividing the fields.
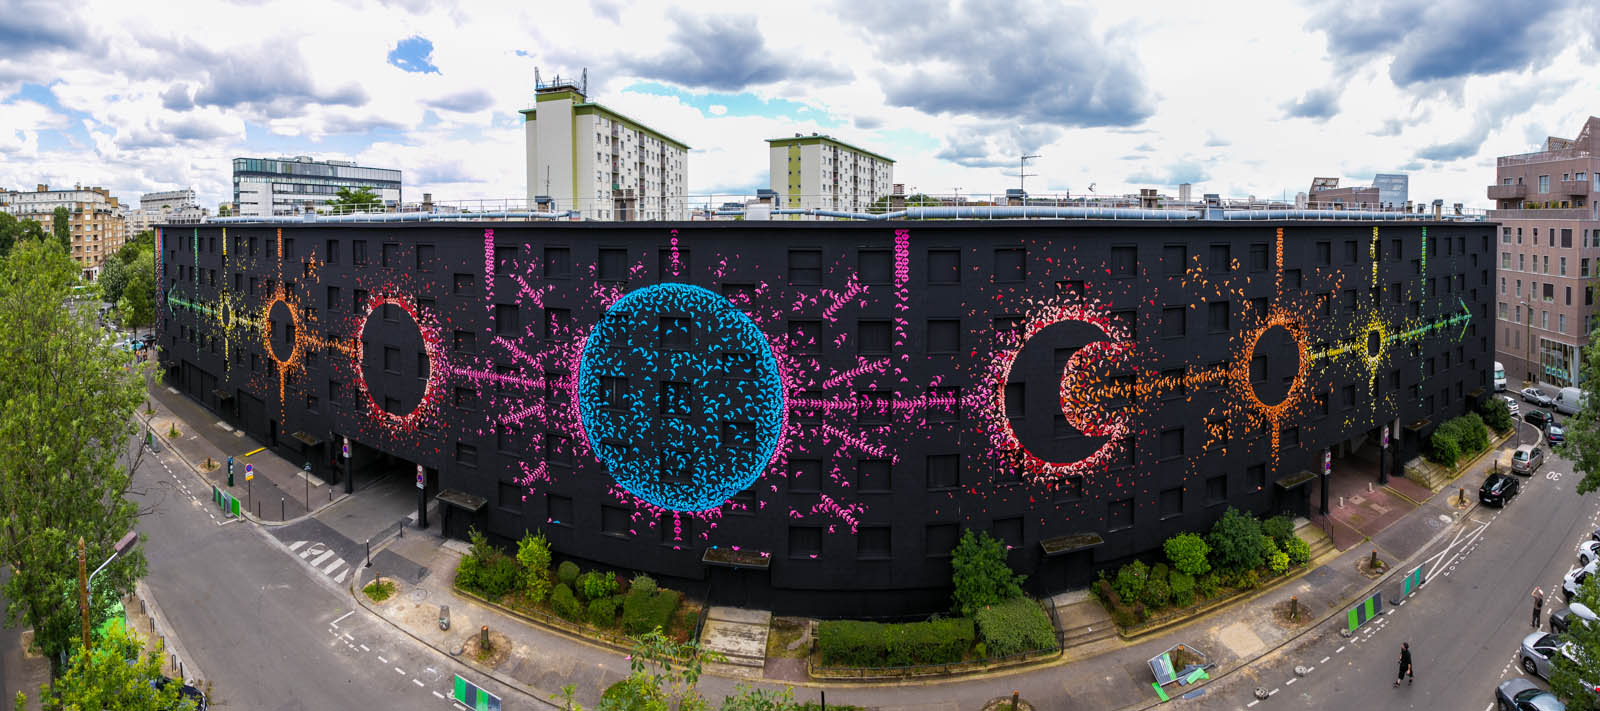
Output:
x=680 y=397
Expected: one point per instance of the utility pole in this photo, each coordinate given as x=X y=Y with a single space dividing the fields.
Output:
x=1022 y=174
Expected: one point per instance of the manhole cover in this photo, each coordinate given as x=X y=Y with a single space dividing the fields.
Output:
x=1444 y=518
x=417 y=594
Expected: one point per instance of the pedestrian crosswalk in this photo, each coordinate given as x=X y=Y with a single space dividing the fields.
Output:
x=322 y=558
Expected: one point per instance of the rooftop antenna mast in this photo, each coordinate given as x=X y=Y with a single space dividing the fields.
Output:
x=1022 y=173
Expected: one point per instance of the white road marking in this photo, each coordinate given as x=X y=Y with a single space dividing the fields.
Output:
x=1312 y=668
x=438 y=694
x=1291 y=681
x=399 y=671
x=1252 y=703
x=342 y=575
x=418 y=682
x=364 y=648
x=322 y=559
x=335 y=623
x=296 y=545
x=333 y=566
x=1340 y=649
x=347 y=636
x=1324 y=660
x=1274 y=692
x=381 y=659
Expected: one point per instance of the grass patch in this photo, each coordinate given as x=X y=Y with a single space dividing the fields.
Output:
x=785 y=631
x=379 y=591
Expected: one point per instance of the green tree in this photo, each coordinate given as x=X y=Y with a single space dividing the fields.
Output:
x=533 y=552
x=660 y=670
x=357 y=200
x=61 y=229
x=145 y=241
x=1582 y=445
x=113 y=277
x=136 y=304
x=1237 y=542
x=66 y=467
x=113 y=676
x=979 y=571
x=1571 y=680
x=1188 y=552
x=14 y=231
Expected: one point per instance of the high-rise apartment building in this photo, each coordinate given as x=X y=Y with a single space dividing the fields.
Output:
x=95 y=219
x=1548 y=256
x=170 y=207
x=290 y=186
x=583 y=156
x=825 y=173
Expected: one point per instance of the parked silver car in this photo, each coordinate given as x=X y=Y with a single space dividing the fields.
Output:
x=1527 y=459
x=1537 y=650
x=1537 y=397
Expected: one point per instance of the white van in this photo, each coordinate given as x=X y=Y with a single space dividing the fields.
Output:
x=1499 y=377
x=1570 y=400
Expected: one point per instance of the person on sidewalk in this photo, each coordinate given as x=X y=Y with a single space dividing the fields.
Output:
x=1405 y=664
x=1538 y=604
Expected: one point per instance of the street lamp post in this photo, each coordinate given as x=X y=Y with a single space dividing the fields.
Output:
x=117 y=551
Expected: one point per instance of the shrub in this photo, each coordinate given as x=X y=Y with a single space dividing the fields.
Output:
x=1279 y=527
x=1207 y=586
x=593 y=585
x=1443 y=449
x=1123 y=615
x=1298 y=550
x=1495 y=414
x=533 y=553
x=854 y=643
x=565 y=603
x=603 y=611
x=1015 y=626
x=1246 y=579
x=642 y=613
x=1236 y=541
x=1157 y=594
x=1131 y=579
x=500 y=576
x=980 y=573
x=480 y=545
x=1182 y=585
x=642 y=584
x=1278 y=562
x=469 y=572
x=1188 y=552
x=1457 y=436
x=567 y=573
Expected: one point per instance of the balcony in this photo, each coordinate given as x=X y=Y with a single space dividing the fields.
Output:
x=1507 y=192
x=1574 y=187
x=1544 y=214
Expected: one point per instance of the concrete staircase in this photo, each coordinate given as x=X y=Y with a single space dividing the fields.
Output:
x=1082 y=618
x=741 y=636
x=1321 y=544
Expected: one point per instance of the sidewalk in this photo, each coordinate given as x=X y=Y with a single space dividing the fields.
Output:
x=279 y=492
x=1096 y=672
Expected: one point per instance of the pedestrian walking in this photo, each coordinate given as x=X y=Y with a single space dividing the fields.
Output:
x=1538 y=604
x=1405 y=665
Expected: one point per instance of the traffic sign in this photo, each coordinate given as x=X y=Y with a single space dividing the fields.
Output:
x=1327 y=461
x=419 y=476
x=1385 y=436
x=249 y=471
x=347 y=448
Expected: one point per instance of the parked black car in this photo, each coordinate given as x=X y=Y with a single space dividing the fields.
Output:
x=1539 y=418
x=1499 y=489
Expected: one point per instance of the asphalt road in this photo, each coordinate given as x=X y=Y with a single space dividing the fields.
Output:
x=267 y=631
x=1464 y=626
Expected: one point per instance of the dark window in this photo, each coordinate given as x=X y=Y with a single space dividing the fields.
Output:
x=358 y=300
x=1016 y=399
x=332 y=249
x=333 y=297
x=555 y=323
x=805 y=266
x=944 y=336
x=466 y=454
x=466 y=398
x=1172 y=322
x=557 y=450
x=1221 y=259
x=1324 y=253
x=872 y=407
x=614 y=521
x=1174 y=259
x=805 y=541
x=614 y=392
x=1217 y=489
x=944 y=471
x=466 y=283
x=873 y=336
x=674 y=399
x=944 y=404
x=1119 y=514
x=288 y=249
x=557 y=263
x=944 y=266
x=509 y=496
x=805 y=336
x=874 y=266
x=1171 y=502
x=740 y=294
x=1258 y=369
x=559 y=509
x=1291 y=279
x=1349 y=396
x=1217 y=317
x=506 y=320
x=425 y=257
x=1010 y=264
x=1009 y=532
x=311 y=403
x=504 y=254
x=1069 y=489
x=358 y=251
x=613 y=265
x=805 y=475
x=872 y=543
x=874 y=475
x=1351 y=254
x=1258 y=257
x=391 y=360
x=1124 y=262
x=675 y=333
x=1128 y=319
x=1178 y=387
x=466 y=342
x=1172 y=443
x=1258 y=475
x=672 y=264
x=939 y=539
x=1566 y=237
x=389 y=255
x=422 y=365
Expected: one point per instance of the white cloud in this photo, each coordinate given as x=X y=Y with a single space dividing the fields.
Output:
x=143 y=97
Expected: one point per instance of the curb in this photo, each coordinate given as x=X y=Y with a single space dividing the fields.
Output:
x=1464 y=469
x=1242 y=596
x=170 y=639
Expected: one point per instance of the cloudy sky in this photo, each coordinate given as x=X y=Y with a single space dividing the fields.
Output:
x=1256 y=99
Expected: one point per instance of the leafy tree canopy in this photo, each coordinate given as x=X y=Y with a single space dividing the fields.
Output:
x=114 y=676
x=61 y=228
x=1582 y=444
x=357 y=200
x=980 y=573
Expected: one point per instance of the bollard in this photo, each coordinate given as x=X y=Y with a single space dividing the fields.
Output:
x=1373 y=562
x=369 y=552
x=1341 y=502
x=1014 y=695
x=1463 y=496
x=1369 y=487
x=1294 y=608
x=483 y=638
x=283 y=508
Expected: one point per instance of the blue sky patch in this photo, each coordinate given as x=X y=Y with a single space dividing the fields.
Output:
x=414 y=54
x=714 y=104
x=73 y=137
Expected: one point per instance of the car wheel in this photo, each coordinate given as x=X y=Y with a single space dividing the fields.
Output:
x=1529 y=667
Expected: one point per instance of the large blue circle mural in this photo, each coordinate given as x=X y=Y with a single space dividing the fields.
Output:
x=680 y=397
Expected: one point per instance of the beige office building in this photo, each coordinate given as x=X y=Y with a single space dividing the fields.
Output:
x=96 y=221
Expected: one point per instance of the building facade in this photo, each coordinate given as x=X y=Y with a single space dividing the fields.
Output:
x=1548 y=256
x=96 y=219
x=294 y=185
x=176 y=207
x=1394 y=189
x=805 y=415
x=824 y=173
x=585 y=157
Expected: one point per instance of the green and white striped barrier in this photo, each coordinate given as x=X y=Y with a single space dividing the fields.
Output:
x=1366 y=610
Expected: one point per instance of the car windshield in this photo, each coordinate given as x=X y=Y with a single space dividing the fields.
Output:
x=1522 y=454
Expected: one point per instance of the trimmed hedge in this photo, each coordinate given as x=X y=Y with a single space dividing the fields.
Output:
x=565 y=603
x=603 y=611
x=642 y=613
x=1458 y=436
x=1015 y=626
x=853 y=643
